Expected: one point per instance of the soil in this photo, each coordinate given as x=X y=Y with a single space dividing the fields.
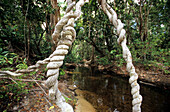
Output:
x=37 y=101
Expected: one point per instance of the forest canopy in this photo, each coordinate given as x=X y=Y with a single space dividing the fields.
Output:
x=26 y=28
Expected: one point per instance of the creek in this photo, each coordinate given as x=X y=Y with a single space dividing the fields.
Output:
x=111 y=92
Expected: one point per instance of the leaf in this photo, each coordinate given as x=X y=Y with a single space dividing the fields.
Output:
x=5 y=52
x=14 y=33
x=51 y=107
x=130 y=2
x=10 y=62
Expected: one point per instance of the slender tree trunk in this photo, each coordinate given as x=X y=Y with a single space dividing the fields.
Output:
x=25 y=40
x=28 y=40
x=92 y=53
x=91 y=42
x=128 y=26
x=141 y=21
x=25 y=37
x=47 y=22
x=146 y=22
x=54 y=18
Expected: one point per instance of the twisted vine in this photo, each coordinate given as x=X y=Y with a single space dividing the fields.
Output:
x=137 y=98
x=28 y=70
x=56 y=60
x=63 y=36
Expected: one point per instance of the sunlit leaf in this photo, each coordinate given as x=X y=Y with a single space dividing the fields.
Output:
x=51 y=107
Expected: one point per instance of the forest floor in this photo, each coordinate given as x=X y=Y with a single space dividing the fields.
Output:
x=37 y=101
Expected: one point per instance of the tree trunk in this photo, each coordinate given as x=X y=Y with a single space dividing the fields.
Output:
x=141 y=21
x=128 y=27
x=96 y=47
x=146 y=22
x=28 y=40
x=54 y=18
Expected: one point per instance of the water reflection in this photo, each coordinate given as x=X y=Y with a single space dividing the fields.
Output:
x=113 y=93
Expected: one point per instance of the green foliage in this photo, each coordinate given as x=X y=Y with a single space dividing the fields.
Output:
x=150 y=51
x=11 y=92
x=94 y=30
x=7 y=58
x=77 y=53
x=21 y=28
x=67 y=99
x=103 y=61
x=149 y=43
x=62 y=72
x=22 y=65
x=6 y=69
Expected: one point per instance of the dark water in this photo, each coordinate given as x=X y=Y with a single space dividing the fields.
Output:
x=110 y=92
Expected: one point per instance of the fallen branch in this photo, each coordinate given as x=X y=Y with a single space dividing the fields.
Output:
x=13 y=80
x=48 y=101
x=28 y=70
x=40 y=86
x=34 y=90
x=2 y=73
x=10 y=79
x=26 y=80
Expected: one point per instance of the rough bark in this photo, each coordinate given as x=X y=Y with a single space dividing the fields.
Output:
x=54 y=18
